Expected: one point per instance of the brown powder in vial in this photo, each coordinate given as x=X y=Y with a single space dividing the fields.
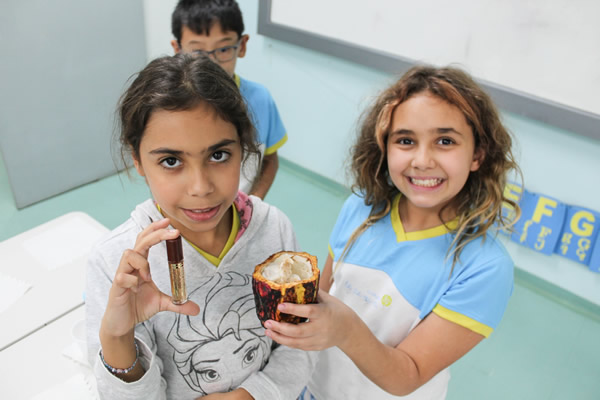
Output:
x=176 y=271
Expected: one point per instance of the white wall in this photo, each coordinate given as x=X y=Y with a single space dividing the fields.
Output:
x=320 y=99
x=157 y=17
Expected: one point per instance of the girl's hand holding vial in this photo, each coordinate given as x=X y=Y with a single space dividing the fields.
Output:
x=134 y=297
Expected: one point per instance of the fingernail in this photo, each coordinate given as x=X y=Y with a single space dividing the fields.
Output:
x=281 y=307
x=268 y=324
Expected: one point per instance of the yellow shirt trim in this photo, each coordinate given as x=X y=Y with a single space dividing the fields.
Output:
x=235 y=226
x=237 y=80
x=463 y=320
x=402 y=236
x=330 y=252
x=213 y=260
x=276 y=146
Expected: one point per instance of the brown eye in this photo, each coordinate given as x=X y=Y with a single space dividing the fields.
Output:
x=220 y=156
x=170 y=162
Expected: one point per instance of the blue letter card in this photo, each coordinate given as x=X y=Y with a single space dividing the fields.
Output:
x=579 y=234
x=595 y=259
x=541 y=222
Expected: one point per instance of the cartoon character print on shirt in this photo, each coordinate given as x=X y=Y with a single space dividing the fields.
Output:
x=218 y=349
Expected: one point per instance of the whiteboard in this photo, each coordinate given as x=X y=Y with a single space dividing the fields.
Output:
x=538 y=58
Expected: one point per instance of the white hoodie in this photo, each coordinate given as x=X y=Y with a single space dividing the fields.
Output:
x=220 y=349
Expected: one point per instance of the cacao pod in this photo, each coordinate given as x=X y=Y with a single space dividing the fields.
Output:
x=285 y=277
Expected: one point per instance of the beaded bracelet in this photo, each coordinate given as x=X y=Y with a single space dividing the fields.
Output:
x=120 y=370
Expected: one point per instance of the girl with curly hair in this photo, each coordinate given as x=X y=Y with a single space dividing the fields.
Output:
x=420 y=277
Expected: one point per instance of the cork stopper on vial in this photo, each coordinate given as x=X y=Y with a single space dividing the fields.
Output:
x=176 y=271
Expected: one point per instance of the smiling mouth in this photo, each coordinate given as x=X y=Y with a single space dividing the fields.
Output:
x=201 y=214
x=429 y=182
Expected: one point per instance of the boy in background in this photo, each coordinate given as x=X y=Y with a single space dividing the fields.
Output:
x=216 y=28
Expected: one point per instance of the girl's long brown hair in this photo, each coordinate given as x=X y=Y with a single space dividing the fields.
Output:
x=479 y=203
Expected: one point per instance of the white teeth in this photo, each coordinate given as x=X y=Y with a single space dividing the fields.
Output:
x=426 y=182
x=200 y=211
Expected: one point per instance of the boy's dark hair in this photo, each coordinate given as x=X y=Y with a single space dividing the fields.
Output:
x=200 y=15
x=179 y=83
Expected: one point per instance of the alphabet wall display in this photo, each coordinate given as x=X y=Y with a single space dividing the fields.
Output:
x=549 y=226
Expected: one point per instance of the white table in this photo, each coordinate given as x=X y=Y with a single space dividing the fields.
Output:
x=51 y=258
x=36 y=364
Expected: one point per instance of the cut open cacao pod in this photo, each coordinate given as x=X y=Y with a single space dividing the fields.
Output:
x=285 y=277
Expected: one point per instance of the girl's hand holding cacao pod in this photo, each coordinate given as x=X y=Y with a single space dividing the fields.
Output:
x=330 y=323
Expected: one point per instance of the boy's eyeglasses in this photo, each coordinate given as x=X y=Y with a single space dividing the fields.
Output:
x=222 y=54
